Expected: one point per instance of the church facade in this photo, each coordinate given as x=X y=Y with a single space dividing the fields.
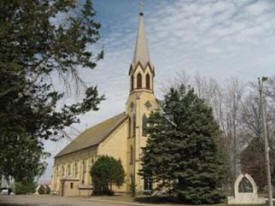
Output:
x=121 y=136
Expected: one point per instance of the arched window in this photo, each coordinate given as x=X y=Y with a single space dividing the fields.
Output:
x=144 y=123
x=148 y=81
x=134 y=125
x=75 y=169
x=84 y=171
x=129 y=127
x=69 y=169
x=131 y=155
x=93 y=160
x=139 y=81
x=57 y=171
x=84 y=166
x=132 y=83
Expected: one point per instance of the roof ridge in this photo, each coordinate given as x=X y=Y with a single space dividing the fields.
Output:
x=93 y=135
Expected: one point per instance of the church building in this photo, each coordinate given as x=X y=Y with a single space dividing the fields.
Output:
x=121 y=136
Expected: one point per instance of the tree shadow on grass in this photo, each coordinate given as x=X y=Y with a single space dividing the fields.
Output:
x=158 y=200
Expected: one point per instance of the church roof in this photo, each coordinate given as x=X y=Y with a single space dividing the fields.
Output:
x=141 y=53
x=94 y=135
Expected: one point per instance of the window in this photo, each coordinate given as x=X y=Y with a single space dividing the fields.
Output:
x=84 y=166
x=134 y=125
x=139 y=81
x=131 y=155
x=84 y=171
x=57 y=171
x=72 y=185
x=148 y=183
x=132 y=83
x=62 y=171
x=148 y=81
x=129 y=127
x=69 y=169
x=144 y=123
x=75 y=169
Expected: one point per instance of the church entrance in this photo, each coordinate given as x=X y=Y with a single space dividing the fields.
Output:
x=69 y=187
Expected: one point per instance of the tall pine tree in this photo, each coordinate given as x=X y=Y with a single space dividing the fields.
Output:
x=181 y=152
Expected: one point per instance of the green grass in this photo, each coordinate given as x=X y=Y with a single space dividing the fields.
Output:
x=154 y=200
x=120 y=198
x=167 y=200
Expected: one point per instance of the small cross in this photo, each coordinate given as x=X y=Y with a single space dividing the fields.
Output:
x=141 y=6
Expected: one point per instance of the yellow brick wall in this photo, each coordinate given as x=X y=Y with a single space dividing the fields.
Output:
x=77 y=158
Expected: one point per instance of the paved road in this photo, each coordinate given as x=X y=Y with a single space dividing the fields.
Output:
x=46 y=200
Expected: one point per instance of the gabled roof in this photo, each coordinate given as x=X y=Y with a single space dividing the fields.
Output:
x=141 y=53
x=94 y=135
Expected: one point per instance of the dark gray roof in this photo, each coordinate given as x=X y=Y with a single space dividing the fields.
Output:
x=94 y=135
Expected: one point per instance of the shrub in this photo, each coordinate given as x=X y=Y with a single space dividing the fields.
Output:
x=47 y=189
x=41 y=190
x=105 y=172
x=44 y=189
x=25 y=187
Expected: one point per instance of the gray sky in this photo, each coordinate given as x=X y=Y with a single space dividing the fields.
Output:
x=218 y=39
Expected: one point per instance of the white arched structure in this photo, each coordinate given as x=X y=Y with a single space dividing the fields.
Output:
x=245 y=197
x=252 y=182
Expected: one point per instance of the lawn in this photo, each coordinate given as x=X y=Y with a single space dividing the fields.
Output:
x=146 y=200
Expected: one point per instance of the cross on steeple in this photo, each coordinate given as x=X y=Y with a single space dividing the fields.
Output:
x=141 y=7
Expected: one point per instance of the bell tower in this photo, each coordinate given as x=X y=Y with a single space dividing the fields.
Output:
x=141 y=102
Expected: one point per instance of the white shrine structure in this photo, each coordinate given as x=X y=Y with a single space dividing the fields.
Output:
x=245 y=192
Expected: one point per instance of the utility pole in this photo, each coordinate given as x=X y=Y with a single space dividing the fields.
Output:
x=267 y=160
x=234 y=135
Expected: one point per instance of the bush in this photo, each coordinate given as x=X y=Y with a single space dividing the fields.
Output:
x=105 y=172
x=41 y=190
x=47 y=189
x=25 y=187
x=44 y=189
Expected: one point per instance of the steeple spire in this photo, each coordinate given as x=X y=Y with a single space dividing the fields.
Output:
x=141 y=53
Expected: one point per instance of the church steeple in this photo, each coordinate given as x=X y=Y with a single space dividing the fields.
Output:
x=141 y=70
x=141 y=102
x=141 y=53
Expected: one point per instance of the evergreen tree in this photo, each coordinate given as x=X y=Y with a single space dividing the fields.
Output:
x=181 y=151
x=41 y=39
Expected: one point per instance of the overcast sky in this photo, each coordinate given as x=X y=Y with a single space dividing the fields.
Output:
x=215 y=38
